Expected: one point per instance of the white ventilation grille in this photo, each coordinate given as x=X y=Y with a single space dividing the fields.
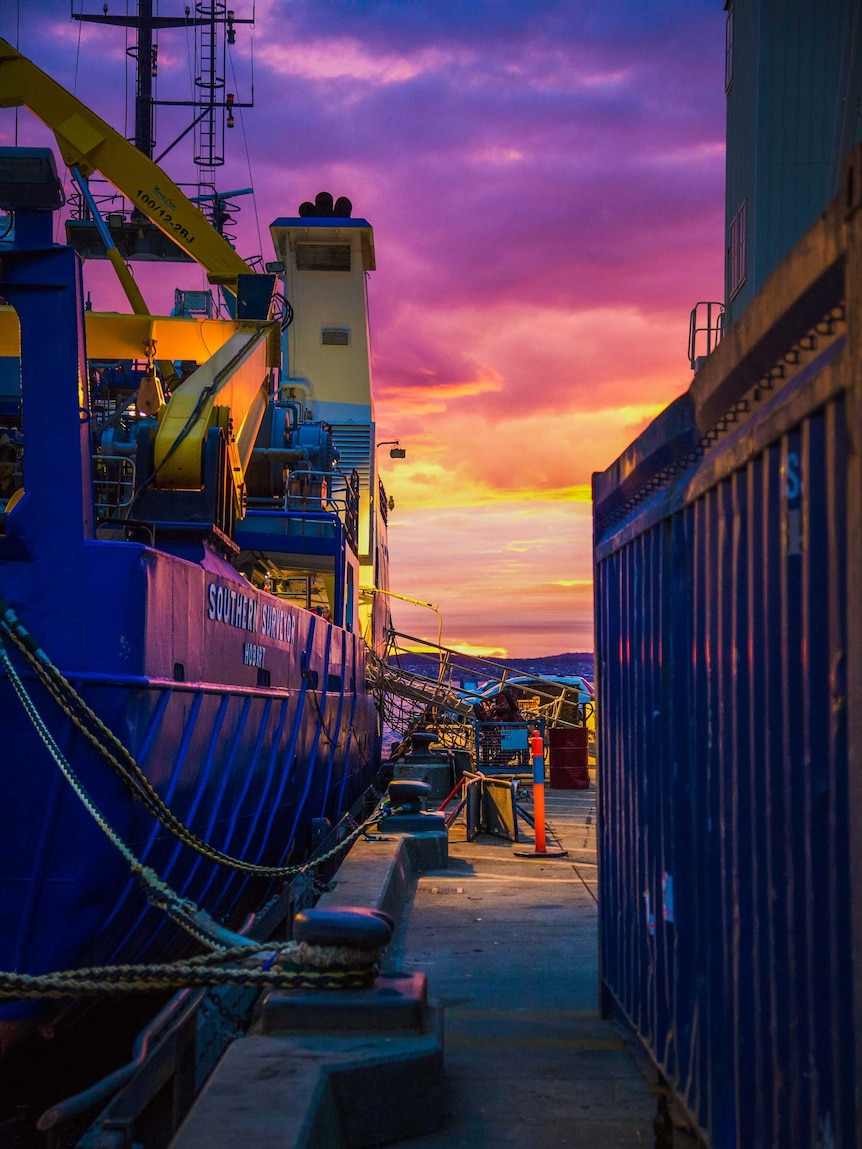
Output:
x=323 y=257
x=353 y=441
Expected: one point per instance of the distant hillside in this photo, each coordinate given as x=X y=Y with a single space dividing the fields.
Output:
x=578 y=663
x=549 y=664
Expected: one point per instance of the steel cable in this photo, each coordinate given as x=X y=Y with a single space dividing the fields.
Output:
x=123 y=762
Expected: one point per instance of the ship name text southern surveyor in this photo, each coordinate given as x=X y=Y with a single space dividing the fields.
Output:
x=247 y=613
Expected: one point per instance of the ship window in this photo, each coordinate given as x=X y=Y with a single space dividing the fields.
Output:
x=323 y=257
x=179 y=672
x=333 y=683
x=736 y=253
x=335 y=336
x=728 y=51
x=264 y=677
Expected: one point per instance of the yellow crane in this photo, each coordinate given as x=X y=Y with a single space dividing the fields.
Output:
x=89 y=144
x=231 y=389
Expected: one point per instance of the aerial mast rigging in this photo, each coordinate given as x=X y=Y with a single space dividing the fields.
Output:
x=215 y=29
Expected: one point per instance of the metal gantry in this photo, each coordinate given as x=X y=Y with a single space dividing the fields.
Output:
x=215 y=29
x=438 y=692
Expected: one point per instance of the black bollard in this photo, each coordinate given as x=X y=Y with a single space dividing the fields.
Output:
x=352 y=926
x=662 y=1125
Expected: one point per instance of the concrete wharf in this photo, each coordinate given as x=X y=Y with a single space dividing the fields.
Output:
x=509 y=949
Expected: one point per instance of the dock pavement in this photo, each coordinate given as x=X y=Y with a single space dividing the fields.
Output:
x=510 y=949
x=508 y=946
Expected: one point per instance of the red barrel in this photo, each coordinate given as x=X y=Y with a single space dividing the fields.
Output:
x=568 y=759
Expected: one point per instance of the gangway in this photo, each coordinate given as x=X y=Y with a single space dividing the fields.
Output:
x=415 y=688
x=423 y=683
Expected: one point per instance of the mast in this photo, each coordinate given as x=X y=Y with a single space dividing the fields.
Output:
x=214 y=106
x=145 y=139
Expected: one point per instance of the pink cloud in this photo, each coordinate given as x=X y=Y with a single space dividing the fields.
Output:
x=495 y=580
x=547 y=200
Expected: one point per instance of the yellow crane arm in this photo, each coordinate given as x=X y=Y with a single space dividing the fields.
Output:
x=229 y=390
x=112 y=336
x=87 y=142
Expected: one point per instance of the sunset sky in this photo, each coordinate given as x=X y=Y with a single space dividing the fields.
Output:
x=545 y=181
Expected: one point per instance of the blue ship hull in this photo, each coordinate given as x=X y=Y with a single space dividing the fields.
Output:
x=248 y=713
x=245 y=767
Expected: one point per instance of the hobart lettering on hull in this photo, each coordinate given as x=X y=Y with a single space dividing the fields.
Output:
x=228 y=605
x=252 y=654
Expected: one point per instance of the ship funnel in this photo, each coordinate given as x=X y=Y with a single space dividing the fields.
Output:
x=324 y=208
x=325 y=259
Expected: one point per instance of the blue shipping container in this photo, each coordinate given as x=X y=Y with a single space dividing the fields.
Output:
x=728 y=568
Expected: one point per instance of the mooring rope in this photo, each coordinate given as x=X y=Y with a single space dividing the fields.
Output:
x=297 y=965
x=123 y=762
x=182 y=910
x=294 y=965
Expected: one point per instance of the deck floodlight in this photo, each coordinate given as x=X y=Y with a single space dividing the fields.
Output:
x=396 y=450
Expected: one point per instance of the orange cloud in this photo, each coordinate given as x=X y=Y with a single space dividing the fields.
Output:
x=472 y=563
x=482 y=651
x=476 y=461
x=433 y=395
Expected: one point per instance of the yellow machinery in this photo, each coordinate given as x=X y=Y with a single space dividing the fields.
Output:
x=231 y=389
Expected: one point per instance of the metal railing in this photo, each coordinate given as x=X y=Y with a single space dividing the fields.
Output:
x=705 y=329
x=558 y=702
x=113 y=485
x=110 y=203
x=429 y=692
x=312 y=493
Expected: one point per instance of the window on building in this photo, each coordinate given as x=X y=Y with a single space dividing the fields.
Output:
x=728 y=51
x=736 y=253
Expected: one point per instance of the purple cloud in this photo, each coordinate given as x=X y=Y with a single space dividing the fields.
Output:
x=546 y=185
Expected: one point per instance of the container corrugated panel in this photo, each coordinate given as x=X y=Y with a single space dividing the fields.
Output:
x=791 y=117
x=728 y=567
